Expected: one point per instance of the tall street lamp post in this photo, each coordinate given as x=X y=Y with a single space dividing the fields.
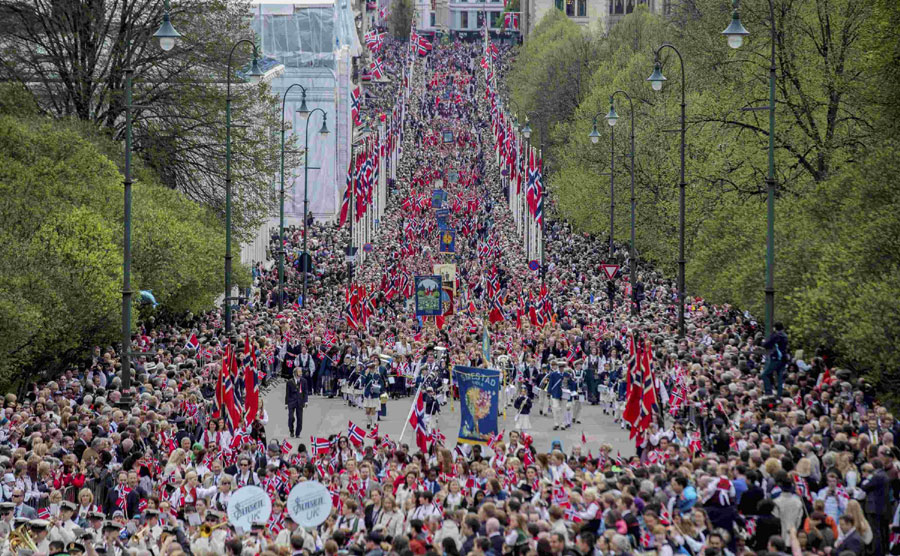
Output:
x=167 y=36
x=302 y=112
x=595 y=138
x=656 y=80
x=254 y=74
x=735 y=33
x=305 y=259
x=611 y=118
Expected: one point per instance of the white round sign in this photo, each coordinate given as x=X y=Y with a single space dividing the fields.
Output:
x=309 y=503
x=249 y=505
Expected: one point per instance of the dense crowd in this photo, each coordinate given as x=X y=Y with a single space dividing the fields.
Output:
x=803 y=461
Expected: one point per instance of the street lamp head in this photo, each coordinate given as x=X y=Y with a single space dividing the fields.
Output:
x=166 y=33
x=594 y=135
x=735 y=32
x=303 y=111
x=255 y=73
x=526 y=130
x=612 y=117
x=324 y=130
x=657 y=78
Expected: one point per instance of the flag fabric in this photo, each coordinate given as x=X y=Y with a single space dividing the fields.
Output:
x=193 y=343
x=251 y=384
x=319 y=445
x=648 y=394
x=511 y=20
x=286 y=447
x=345 y=201
x=354 y=106
x=417 y=420
x=356 y=433
x=377 y=68
x=632 y=412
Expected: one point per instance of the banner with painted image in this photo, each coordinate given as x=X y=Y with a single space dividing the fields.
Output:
x=479 y=395
x=428 y=296
x=447 y=272
x=447 y=241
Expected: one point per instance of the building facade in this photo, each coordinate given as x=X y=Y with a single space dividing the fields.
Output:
x=587 y=12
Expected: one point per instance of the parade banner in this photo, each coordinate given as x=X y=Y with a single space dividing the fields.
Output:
x=447 y=272
x=437 y=198
x=479 y=395
x=448 y=241
x=428 y=296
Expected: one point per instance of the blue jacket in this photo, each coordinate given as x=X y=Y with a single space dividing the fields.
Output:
x=554 y=384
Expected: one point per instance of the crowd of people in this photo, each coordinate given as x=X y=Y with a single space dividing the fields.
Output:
x=754 y=449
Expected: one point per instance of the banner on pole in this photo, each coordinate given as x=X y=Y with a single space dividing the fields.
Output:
x=428 y=296
x=447 y=272
x=448 y=241
x=479 y=395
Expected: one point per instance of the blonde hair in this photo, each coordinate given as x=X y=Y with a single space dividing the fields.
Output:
x=854 y=510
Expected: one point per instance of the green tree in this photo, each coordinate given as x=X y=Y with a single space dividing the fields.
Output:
x=72 y=56
x=60 y=244
x=401 y=18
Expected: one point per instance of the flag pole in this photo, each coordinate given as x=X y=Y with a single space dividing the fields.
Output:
x=411 y=409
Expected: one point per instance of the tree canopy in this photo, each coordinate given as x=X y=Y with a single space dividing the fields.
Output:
x=61 y=247
x=837 y=216
x=72 y=58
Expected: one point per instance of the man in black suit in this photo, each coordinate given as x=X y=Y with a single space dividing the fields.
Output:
x=296 y=397
x=851 y=540
x=875 y=485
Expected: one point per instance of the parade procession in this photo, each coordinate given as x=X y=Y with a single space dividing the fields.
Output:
x=449 y=364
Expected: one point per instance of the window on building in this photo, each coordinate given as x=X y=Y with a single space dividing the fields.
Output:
x=582 y=8
x=629 y=6
x=617 y=6
x=559 y=4
x=570 y=8
x=495 y=17
x=464 y=21
x=433 y=19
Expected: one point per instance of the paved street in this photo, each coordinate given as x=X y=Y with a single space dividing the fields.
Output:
x=326 y=416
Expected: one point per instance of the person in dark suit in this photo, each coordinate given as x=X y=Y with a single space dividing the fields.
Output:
x=296 y=397
x=875 y=485
x=850 y=541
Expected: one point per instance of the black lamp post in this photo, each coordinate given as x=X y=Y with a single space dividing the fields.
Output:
x=305 y=259
x=656 y=80
x=167 y=36
x=254 y=74
x=611 y=118
x=303 y=112
x=735 y=33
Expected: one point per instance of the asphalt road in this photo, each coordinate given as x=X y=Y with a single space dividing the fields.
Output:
x=324 y=416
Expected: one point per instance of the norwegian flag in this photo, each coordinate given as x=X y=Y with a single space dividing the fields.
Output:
x=377 y=68
x=351 y=300
x=528 y=458
x=240 y=438
x=423 y=46
x=572 y=515
x=354 y=106
x=437 y=437
x=373 y=433
x=417 y=420
x=251 y=384
x=497 y=313
x=345 y=201
x=329 y=339
x=286 y=447
x=373 y=41
x=803 y=488
x=193 y=343
x=43 y=513
x=632 y=412
x=695 y=445
x=494 y=439
x=559 y=496
x=356 y=433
